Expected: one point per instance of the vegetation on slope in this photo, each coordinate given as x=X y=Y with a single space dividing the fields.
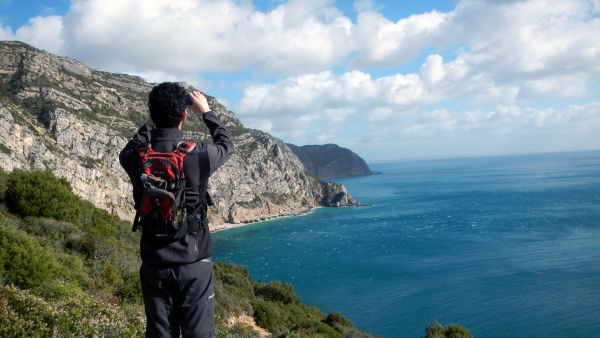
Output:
x=71 y=269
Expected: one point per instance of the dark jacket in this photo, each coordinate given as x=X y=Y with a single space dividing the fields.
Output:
x=195 y=245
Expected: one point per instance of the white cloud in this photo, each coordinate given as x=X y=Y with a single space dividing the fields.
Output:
x=505 y=42
x=43 y=32
x=382 y=42
x=194 y=36
x=5 y=32
x=386 y=97
x=528 y=39
x=396 y=108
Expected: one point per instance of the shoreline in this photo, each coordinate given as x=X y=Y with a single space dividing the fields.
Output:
x=227 y=226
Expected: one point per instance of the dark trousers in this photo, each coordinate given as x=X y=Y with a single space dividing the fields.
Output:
x=179 y=299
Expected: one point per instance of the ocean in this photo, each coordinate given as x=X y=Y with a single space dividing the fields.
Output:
x=505 y=246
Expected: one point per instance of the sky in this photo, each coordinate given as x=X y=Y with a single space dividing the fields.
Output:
x=389 y=79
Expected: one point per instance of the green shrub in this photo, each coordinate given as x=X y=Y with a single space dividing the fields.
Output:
x=437 y=330
x=97 y=222
x=237 y=330
x=23 y=261
x=49 y=229
x=84 y=245
x=23 y=314
x=276 y=291
x=335 y=319
x=233 y=290
x=343 y=325
x=317 y=329
x=266 y=315
x=41 y=194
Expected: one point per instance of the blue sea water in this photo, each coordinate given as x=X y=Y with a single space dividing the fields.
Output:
x=506 y=246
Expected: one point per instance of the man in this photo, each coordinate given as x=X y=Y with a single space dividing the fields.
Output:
x=177 y=276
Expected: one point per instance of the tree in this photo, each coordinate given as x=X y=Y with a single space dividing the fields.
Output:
x=41 y=194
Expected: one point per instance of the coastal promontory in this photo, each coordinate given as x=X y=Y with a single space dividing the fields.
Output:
x=330 y=160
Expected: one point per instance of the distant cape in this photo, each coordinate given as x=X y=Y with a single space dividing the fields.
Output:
x=330 y=160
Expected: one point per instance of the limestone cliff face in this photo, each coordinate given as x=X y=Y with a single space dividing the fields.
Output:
x=58 y=114
x=330 y=160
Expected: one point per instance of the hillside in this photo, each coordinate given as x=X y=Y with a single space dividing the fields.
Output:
x=69 y=269
x=60 y=115
x=330 y=160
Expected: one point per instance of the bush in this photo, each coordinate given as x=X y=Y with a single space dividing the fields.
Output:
x=49 y=229
x=98 y=222
x=266 y=315
x=277 y=291
x=41 y=194
x=437 y=330
x=237 y=330
x=233 y=290
x=23 y=314
x=342 y=325
x=23 y=261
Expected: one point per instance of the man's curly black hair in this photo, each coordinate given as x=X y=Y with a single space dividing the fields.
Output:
x=166 y=104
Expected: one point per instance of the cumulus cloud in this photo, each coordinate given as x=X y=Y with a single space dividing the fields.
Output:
x=488 y=58
x=5 y=32
x=194 y=36
x=382 y=42
x=358 y=91
x=394 y=109
x=44 y=32
x=507 y=39
x=528 y=39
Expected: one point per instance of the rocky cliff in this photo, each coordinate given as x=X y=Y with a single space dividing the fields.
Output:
x=58 y=114
x=330 y=160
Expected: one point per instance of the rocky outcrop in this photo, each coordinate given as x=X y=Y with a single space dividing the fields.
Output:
x=58 y=114
x=330 y=160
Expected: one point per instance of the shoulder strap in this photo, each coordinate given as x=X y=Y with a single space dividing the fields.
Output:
x=205 y=174
x=204 y=165
x=143 y=149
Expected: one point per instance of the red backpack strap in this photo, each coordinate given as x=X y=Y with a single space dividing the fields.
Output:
x=143 y=150
x=186 y=146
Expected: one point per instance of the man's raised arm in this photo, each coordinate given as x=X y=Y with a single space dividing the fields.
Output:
x=221 y=150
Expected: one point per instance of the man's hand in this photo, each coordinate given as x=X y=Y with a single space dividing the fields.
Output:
x=200 y=103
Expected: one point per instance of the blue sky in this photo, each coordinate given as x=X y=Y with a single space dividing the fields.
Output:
x=388 y=79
